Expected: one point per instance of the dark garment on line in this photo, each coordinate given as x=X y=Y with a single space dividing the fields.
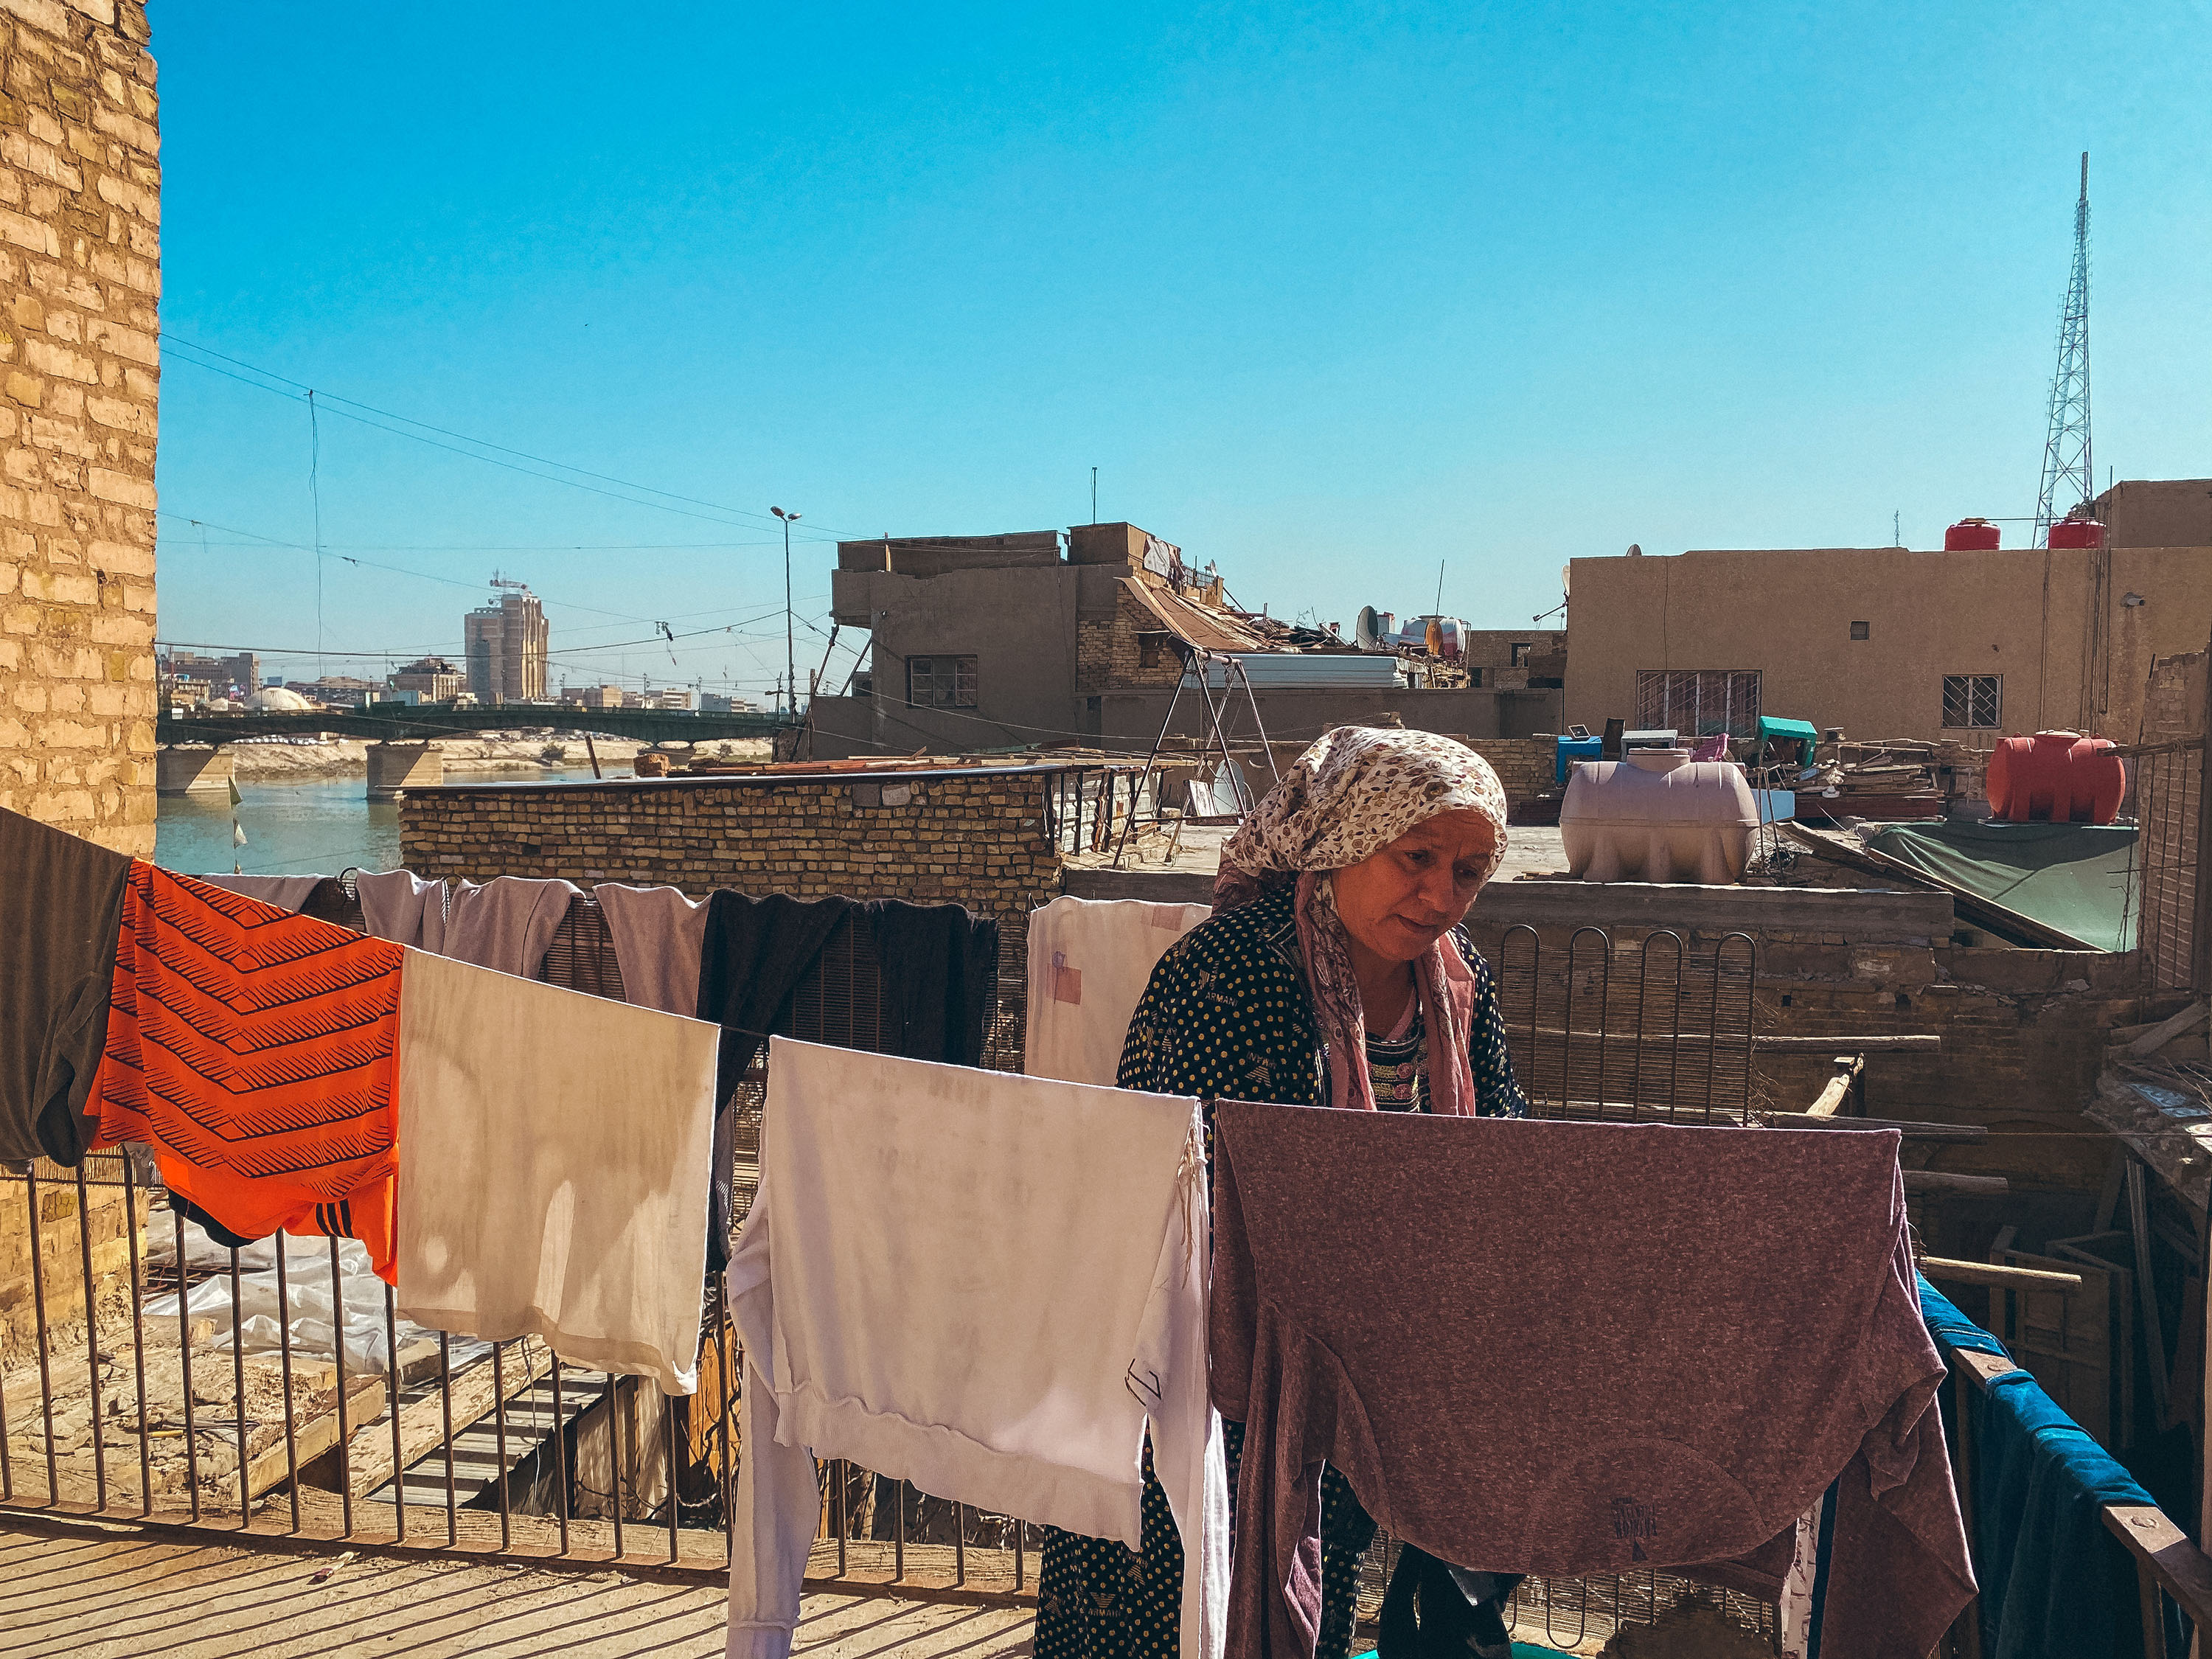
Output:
x=2055 y=1582
x=940 y=969
x=61 y=907
x=1436 y=1351
x=937 y=965
x=756 y=951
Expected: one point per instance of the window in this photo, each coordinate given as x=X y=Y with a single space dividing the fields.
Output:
x=1862 y=630
x=1698 y=701
x=1973 y=702
x=940 y=682
x=1521 y=655
x=1151 y=650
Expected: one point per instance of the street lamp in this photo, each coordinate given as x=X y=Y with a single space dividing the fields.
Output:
x=790 y=645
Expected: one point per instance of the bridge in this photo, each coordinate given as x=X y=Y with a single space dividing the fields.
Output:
x=402 y=737
x=399 y=722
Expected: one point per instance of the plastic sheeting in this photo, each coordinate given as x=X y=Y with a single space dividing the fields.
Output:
x=306 y=1302
x=2073 y=877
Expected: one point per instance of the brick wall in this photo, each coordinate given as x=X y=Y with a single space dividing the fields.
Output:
x=63 y=1241
x=2023 y=1033
x=79 y=282
x=1523 y=765
x=981 y=841
x=1125 y=652
x=1094 y=653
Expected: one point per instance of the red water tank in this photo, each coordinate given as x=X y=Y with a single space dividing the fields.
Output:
x=2058 y=777
x=2077 y=533
x=1970 y=536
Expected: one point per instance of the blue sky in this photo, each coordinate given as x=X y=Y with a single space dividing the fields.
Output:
x=1327 y=293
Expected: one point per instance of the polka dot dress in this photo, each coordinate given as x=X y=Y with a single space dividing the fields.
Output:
x=1226 y=1016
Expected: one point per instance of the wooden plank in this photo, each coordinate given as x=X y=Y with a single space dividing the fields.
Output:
x=1939 y=1180
x=1961 y=1133
x=1981 y=1368
x=2163 y=1550
x=316 y=1435
x=1986 y=1272
x=2156 y=1038
x=1830 y=1045
x=423 y=1424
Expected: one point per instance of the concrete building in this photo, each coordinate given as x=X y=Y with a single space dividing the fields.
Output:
x=1885 y=643
x=505 y=644
x=336 y=690
x=237 y=676
x=2157 y=512
x=592 y=697
x=1515 y=659
x=433 y=678
x=80 y=286
x=997 y=642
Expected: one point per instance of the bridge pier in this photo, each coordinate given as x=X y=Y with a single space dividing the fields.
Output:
x=192 y=769
x=395 y=768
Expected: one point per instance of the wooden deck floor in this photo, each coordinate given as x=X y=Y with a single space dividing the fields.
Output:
x=109 y=1593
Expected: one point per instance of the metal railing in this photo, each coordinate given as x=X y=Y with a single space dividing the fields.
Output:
x=273 y=1392
x=1658 y=1029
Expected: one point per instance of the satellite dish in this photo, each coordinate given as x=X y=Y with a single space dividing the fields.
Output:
x=1367 y=630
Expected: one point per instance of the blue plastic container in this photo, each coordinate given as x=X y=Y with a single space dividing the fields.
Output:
x=1576 y=749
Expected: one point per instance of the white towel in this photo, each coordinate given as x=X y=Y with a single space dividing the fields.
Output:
x=400 y=906
x=983 y=1284
x=553 y=1170
x=659 y=935
x=290 y=891
x=507 y=923
x=1090 y=960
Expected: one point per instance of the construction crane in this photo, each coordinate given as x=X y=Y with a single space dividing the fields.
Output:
x=2068 y=479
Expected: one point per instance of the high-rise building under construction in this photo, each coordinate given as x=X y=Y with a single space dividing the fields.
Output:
x=506 y=642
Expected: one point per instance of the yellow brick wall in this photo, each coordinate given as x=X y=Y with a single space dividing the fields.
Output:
x=80 y=288
x=978 y=842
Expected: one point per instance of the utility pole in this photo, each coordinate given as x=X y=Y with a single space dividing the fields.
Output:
x=2068 y=476
x=790 y=638
x=1094 y=494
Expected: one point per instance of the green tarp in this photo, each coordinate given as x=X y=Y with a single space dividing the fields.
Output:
x=2073 y=877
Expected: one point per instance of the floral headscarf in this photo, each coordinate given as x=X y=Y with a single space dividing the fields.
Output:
x=1353 y=793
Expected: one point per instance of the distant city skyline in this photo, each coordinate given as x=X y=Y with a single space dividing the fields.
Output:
x=1327 y=297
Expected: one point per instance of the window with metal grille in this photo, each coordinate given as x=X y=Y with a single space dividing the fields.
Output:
x=1973 y=702
x=1698 y=701
x=940 y=682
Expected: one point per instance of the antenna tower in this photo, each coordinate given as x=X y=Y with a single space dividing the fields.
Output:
x=2068 y=476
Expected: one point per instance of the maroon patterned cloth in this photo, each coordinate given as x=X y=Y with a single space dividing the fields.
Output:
x=1641 y=1344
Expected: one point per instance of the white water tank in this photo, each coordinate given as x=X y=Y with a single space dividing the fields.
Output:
x=1656 y=814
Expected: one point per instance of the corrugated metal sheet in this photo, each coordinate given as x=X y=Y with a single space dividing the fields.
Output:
x=1195 y=625
x=1335 y=669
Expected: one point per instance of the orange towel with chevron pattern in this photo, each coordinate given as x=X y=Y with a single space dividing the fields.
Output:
x=257 y=1051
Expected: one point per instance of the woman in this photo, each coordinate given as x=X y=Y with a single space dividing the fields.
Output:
x=1331 y=973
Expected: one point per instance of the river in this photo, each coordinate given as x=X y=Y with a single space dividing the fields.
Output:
x=315 y=827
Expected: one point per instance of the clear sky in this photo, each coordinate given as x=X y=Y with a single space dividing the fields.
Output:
x=1327 y=293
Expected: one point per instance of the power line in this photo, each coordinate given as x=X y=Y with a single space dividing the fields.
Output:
x=299 y=389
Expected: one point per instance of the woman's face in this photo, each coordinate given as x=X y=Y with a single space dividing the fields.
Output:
x=1401 y=900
